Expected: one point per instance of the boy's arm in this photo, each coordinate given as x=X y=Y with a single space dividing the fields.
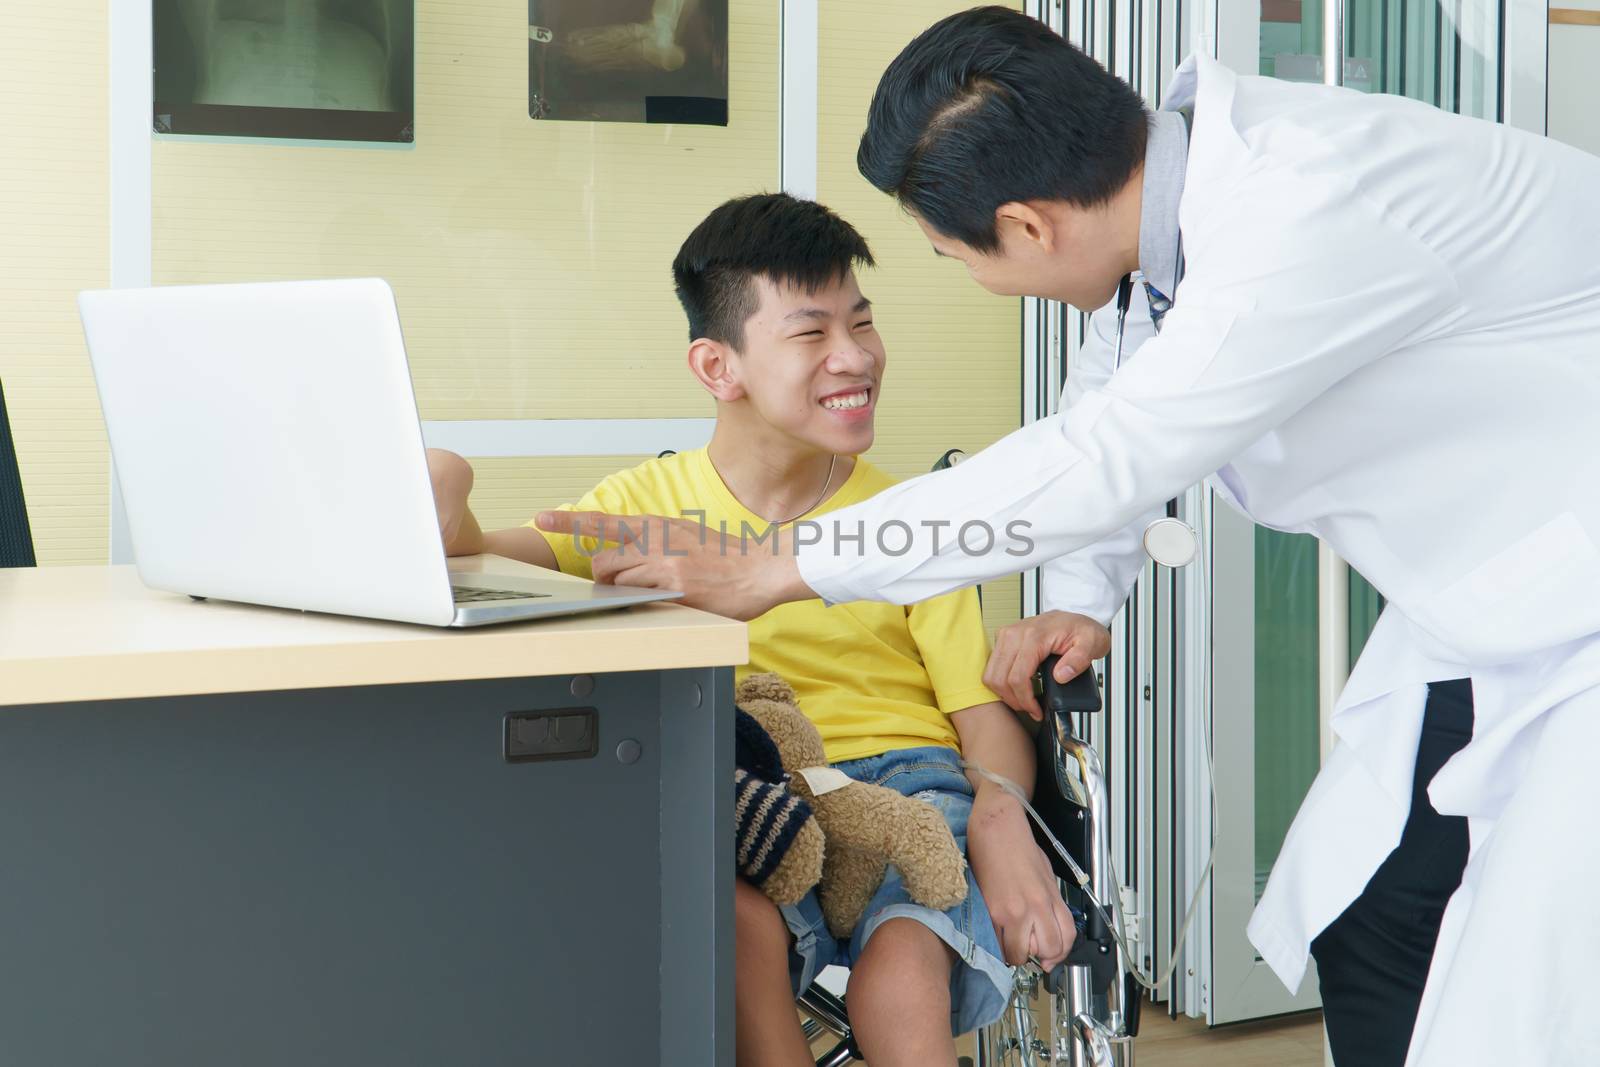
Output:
x=992 y=738
x=524 y=543
x=1020 y=889
x=452 y=483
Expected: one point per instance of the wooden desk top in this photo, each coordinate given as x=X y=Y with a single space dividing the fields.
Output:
x=96 y=633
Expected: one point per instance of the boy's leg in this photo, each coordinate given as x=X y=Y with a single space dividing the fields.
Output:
x=766 y=1025
x=900 y=997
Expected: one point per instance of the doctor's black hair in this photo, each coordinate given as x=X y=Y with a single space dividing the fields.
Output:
x=990 y=106
x=775 y=236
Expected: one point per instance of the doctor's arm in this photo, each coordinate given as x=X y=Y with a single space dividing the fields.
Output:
x=1083 y=590
x=1094 y=580
x=1286 y=295
x=1294 y=297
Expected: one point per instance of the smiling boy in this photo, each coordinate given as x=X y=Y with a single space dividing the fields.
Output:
x=783 y=340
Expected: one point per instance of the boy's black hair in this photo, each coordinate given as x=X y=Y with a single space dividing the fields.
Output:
x=990 y=106
x=775 y=236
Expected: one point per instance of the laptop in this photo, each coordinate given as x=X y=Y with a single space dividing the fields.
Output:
x=269 y=452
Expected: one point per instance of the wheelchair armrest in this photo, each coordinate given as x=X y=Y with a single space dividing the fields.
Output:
x=1067 y=819
x=1079 y=694
x=1093 y=949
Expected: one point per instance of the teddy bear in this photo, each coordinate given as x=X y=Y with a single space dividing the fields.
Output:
x=865 y=827
x=778 y=844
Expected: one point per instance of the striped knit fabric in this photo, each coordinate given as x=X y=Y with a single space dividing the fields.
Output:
x=768 y=817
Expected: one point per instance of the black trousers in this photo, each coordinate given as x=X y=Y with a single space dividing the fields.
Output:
x=1373 y=959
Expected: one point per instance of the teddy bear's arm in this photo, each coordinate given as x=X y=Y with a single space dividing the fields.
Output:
x=905 y=831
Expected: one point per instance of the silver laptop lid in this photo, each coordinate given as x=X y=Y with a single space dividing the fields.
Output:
x=267 y=442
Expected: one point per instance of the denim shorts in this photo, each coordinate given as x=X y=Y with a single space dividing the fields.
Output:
x=980 y=982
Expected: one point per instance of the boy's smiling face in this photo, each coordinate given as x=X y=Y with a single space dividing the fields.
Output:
x=809 y=368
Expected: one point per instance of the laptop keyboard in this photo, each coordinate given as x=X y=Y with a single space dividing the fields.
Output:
x=467 y=594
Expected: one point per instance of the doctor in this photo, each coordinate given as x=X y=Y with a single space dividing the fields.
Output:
x=1379 y=324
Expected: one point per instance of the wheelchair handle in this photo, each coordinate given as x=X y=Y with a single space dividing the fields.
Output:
x=1080 y=693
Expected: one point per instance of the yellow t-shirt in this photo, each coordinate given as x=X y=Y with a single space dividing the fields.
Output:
x=873 y=677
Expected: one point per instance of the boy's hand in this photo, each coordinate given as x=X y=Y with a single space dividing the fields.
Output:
x=1020 y=889
x=452 y=483
x=1022 y=646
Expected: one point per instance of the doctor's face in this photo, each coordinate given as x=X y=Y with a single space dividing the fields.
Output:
x=810 y=366
x=1050 y=250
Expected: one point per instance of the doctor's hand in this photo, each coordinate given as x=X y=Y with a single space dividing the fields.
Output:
x=722 y=573
x=1022 y=646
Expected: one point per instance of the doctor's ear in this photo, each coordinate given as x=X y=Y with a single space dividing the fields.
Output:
x=712 y=362
x=1024 y=225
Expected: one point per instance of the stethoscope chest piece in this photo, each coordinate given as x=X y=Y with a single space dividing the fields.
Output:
x=1171 y=542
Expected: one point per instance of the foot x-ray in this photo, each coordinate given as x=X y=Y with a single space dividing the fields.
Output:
x=628 y=60
x=316 y=69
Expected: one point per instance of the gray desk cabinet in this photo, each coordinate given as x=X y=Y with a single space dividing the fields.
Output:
x=357 y=876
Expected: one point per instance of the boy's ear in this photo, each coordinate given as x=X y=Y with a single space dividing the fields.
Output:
x=712 y=362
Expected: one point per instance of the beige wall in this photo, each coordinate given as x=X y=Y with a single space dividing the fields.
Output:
x=54 y=205
x=530 y=260
x=955 y=369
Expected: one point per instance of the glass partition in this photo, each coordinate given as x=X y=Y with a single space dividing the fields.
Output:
x=1442 y=52
x=1288 y=744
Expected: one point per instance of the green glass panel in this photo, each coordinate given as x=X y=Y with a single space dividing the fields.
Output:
x=1365 y=604
x=1288 y=740
x=1291 y=39
x=1442 y=53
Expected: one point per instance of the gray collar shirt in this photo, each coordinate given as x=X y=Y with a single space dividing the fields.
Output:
x=1166 y=157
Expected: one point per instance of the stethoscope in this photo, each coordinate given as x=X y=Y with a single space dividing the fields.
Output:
x=1169 y=540
x=1124 y=299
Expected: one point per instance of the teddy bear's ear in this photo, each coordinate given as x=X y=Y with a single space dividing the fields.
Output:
x=764 y=687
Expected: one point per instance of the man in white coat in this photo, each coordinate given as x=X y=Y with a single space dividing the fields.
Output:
x=1379 y=324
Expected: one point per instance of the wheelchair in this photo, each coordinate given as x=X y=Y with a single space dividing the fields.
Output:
x=1090 y=1003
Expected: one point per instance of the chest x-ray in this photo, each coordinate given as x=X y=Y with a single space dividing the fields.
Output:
x=628 y=60
x=317 y=69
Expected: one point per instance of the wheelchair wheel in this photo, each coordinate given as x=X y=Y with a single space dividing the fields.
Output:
x=1023 y=1036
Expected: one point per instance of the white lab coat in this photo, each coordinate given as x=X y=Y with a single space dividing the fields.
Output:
x=1388 y=336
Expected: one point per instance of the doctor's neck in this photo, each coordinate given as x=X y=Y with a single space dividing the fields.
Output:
x=1127 y=210
x=1085 y=251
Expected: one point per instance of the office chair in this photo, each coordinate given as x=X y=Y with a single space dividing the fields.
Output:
x=16 y=539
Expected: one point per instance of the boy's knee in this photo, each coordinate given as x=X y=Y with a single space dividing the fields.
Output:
x=908 y=940
x=757 y=922
x=900 y=954
x=901 y=980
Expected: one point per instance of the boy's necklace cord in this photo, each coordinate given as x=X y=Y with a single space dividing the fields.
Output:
x=833 y=463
